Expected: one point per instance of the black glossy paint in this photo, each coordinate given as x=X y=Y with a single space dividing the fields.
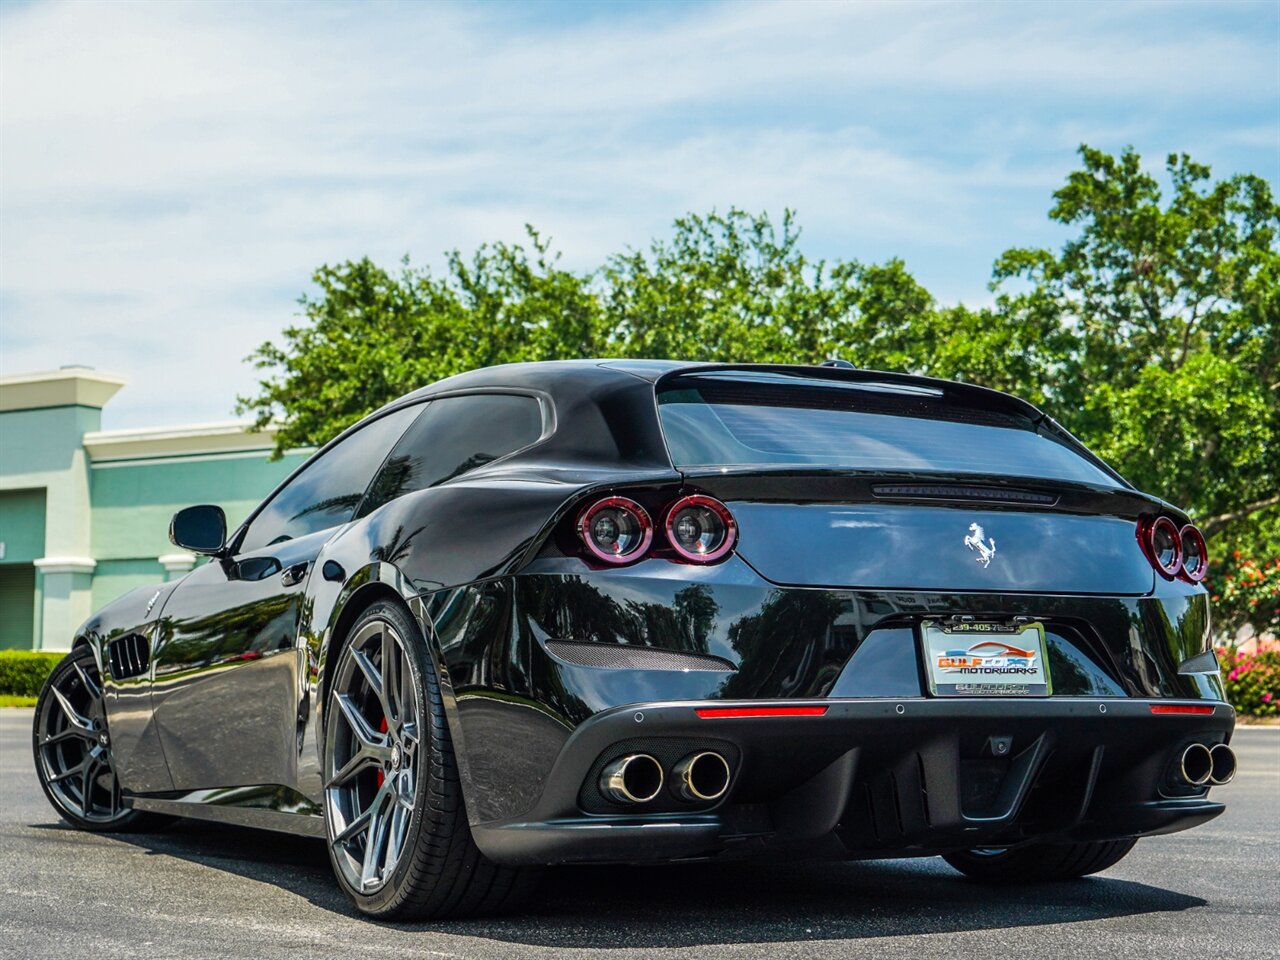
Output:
x=782 y=643
x=228 y=638
x=827 y=545
x=820 y=603
x=878 y=778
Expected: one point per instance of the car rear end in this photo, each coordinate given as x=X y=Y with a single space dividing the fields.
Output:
x=879 y=616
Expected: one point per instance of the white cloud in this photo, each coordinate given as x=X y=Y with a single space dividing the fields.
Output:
x=171 y=173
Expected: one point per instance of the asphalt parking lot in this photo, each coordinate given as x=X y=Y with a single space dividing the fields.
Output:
x=200 y=890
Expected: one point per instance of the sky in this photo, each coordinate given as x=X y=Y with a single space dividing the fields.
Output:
x=172 y=173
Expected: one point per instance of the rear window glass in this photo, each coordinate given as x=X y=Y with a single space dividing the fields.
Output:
x=773 y=421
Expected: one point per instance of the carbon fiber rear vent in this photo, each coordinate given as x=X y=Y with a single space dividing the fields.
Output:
x=622 y=657
x=128 y=657
x=947 y=491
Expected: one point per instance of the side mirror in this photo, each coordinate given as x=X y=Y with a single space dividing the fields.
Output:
x=202 y=529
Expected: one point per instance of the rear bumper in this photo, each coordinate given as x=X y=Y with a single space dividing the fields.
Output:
x=873 y=778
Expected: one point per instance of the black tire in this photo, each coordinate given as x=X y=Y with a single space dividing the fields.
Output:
x=69 y=734
x=1040 y=861
x=439 y=872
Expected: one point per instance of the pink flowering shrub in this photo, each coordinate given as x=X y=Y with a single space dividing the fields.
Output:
x=1246 y=590
x=1252 y=681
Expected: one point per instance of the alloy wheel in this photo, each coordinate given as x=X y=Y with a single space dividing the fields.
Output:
x=371 y=765
x=73 y=746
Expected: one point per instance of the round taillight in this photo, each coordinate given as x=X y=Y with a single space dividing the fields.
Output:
x=701 y=529
x=615 y=530
x=1163 y=544
x=1195 y=554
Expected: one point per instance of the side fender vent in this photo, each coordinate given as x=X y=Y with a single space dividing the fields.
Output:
x=128 y=657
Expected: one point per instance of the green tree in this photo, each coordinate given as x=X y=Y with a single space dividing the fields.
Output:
x=370 y=336
x=727 y=287
x=1163 y=324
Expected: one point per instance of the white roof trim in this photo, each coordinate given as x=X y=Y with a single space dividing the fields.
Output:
x=72 y=386
x=224 y=437
x=215 y=428
x=48 y=565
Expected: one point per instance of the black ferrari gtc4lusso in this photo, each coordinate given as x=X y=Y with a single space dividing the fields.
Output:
x=637 y=611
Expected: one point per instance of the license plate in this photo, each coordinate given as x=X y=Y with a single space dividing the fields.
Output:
x=969 y=659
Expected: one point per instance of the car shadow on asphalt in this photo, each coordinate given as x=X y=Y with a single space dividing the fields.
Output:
x=688 y=905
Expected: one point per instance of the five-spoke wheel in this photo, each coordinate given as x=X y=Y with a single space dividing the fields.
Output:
x=73 y=748
x=371 y=770
x=397 y=826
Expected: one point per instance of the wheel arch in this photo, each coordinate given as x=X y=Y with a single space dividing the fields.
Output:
x=374 y=582
x=360 y=601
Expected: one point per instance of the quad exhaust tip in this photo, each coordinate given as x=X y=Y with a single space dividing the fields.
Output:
x=1196 y=764
x=1223 y=768
x=635 y=778
x=702 y=776
x=1200 y=765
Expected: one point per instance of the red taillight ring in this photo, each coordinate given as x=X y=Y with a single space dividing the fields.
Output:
x=1144 y=536
x=1193 y=576
x=628 y=506
x=716 y=507
x=1147 y=538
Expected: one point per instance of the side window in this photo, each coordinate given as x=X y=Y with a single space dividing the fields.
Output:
x=327 y=491
x=452 y=436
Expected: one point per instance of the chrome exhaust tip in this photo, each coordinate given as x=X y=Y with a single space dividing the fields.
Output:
x=702 y=776
x=1196 y=764
x=1223 y=767
x=635 y=778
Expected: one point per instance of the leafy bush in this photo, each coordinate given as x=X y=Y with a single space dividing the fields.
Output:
x=1252 y=681
x=23 y=672
x=1247 y=590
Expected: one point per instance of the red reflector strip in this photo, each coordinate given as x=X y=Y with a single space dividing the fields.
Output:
x=1180 y=708
x=708 y=712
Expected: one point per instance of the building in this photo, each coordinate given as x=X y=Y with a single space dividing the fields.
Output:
x=84 y=512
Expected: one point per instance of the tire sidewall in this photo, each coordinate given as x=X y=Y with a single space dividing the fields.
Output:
x=1038 y=862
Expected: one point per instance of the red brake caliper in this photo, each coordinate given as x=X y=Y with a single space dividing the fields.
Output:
x=382 y=727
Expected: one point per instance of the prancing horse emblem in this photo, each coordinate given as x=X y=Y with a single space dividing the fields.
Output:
x=978 y=540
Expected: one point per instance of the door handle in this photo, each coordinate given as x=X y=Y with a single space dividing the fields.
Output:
x=294 y=575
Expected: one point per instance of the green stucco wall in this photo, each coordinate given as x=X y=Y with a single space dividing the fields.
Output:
x=41 y=441
x=43 y=449
x=115 y=578
x=22 y=533
x=78 y=533
x=22 y=525
x=17 y=606
x=133 y=502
